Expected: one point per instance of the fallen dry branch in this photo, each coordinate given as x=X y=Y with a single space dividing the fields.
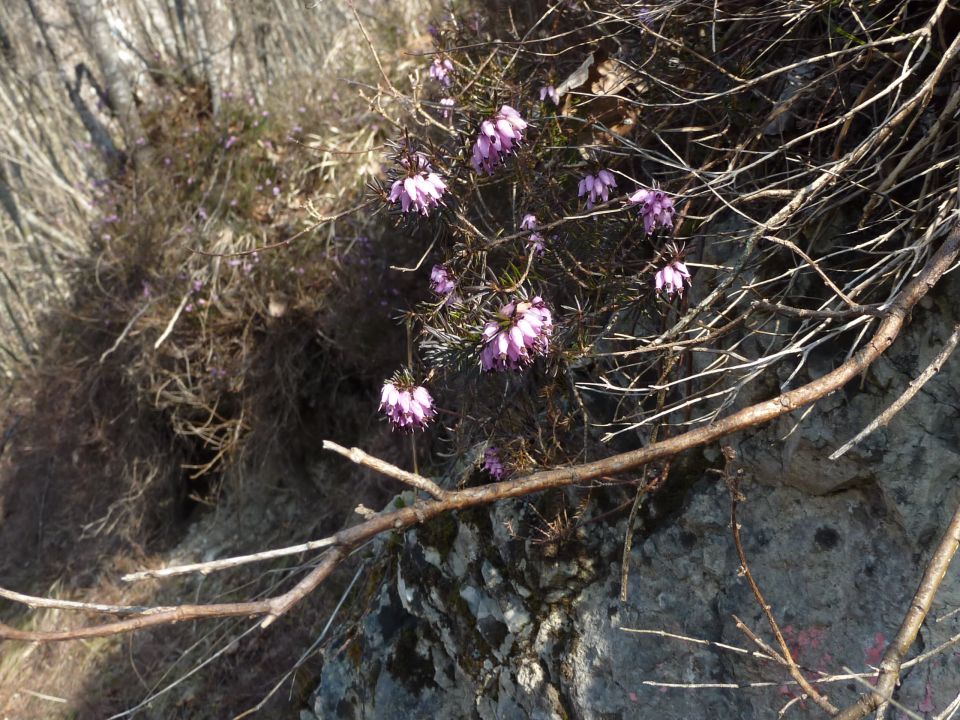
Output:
x=349 y=539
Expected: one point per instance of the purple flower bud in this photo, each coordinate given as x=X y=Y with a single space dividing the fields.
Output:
x=537 y=243
x=441 y=69
x=230 y=142
x=656 y=207
x=407 y=406
x=493 y=464
x=549 y=91
x=519 y=334
x=441 y=280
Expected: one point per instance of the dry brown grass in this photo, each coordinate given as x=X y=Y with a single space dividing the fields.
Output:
x=123 y=451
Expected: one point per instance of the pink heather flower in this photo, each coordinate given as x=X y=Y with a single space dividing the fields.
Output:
x=492 y=463
x=537 y=243
x=656 y=207
x=441 y=280
x=597 y=187
x=497 y=138
x=535 y=240
x=549 y=91
x=671 y=278
x=520 y=333
x=447 y=109
x=441 y=69
x=230 y=142
x=407 y=407
x=420 y=190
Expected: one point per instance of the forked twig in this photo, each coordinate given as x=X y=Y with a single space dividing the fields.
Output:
x=912 y=389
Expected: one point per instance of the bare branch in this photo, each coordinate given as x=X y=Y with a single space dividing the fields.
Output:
x=912 y=389
x=361 y=458
x=230 y=562
x=347 y=540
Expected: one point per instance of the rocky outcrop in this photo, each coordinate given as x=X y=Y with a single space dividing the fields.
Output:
x=471 y=620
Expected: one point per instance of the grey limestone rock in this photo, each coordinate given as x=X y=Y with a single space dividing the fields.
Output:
x=472 y=622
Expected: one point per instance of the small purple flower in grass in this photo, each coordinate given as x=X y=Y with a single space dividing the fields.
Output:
x=421 y=190
x=519 y=334
x=497 y=137
x=441 y=69
x=549 y=91
x=493 y=464
x=656 y=207
x=671 y=278
x=407 y=406
x=597 y=187
x=441 y=280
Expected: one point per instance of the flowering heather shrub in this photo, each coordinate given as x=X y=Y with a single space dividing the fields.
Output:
x=441 y=69
x=614 y=364
x=497 y=138
x=597 y=187
x=421 y=189
x=519 y=334
x=407 y=406
x=656 y=207
x=671 y=278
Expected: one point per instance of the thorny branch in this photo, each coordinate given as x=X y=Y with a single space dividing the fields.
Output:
x=346 y=541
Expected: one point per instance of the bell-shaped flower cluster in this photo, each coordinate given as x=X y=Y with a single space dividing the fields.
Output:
x=441 y=69
x=420 y=190
x=597 y=187
x=407 y=406
x=656 y=207
x=535 y=240
x=441 y=280
x=493 y=464
x=497 y=137
x=671 y=278
x=520 y=333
